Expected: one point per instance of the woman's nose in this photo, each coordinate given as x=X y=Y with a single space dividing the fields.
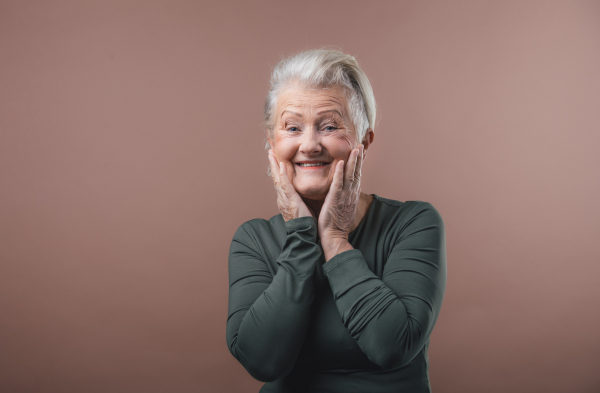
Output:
x=311 y=142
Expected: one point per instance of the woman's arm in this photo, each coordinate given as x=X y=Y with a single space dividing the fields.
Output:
x=391 y=318
x=269 y=315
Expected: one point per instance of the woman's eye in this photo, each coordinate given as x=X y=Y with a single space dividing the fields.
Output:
x=293 y=129
x=331 y=128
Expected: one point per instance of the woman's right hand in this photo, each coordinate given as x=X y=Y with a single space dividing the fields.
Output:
x=289 y=202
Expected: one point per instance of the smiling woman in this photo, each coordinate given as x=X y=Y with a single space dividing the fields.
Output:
x=341 y=290
x=313 y=134
x=312 y=126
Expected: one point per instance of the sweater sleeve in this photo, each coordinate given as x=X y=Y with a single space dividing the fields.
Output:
x=391 y=318
x=268 y=315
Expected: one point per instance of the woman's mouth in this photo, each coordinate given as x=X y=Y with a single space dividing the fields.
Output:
x=313 y=166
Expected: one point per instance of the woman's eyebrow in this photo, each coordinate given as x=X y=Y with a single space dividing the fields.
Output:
x=293 y=113
x=330 y=110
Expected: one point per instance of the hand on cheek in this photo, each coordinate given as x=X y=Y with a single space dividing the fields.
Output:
x=289 y=202
x=339 y=209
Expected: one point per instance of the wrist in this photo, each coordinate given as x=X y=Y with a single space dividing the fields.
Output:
x=333 y=246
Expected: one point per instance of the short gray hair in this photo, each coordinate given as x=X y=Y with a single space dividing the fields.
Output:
x=324 y=68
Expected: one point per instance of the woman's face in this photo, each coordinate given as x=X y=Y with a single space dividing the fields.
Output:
x=312 y=125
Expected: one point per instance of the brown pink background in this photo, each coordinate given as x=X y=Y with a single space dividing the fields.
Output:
x=131 y=149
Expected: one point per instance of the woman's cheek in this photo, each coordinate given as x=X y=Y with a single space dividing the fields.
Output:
x=279 y=135
x=344 y=144
x=345 y=136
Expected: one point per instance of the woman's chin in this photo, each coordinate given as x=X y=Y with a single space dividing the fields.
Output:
x=313 y=194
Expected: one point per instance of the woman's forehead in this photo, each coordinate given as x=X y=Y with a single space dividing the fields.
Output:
x=311 y=100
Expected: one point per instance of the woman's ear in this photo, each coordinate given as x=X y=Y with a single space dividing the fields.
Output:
x=367 y=140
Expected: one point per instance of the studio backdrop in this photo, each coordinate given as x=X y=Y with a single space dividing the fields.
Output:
x=132 y=148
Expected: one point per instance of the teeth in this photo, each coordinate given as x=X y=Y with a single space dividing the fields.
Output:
x=319 y=164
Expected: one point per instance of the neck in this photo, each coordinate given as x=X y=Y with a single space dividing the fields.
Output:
x=314 y=206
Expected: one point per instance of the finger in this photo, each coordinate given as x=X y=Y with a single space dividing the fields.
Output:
x=285 y=181
x=355 y=187
x=282 y=175
x=272 y=165
x=350 y=168
x=359 y=163
x=274 y=170
x=338 y=178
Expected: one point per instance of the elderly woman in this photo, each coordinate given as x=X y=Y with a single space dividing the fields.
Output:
x=339 y=292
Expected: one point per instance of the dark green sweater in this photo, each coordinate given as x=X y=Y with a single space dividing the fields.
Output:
x=358 y=323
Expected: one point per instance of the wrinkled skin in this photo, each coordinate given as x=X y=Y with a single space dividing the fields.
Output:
x=289 y=202
x=339 y=208
x=314 y=125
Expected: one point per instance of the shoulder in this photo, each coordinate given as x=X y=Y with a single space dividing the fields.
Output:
x=421 y=208
x=258 y=228
x=406 y=208
x=409 y=213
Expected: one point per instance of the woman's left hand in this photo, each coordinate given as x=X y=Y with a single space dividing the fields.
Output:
x=339 y=208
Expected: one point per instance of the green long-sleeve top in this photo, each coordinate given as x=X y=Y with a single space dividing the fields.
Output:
x=359 y=322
